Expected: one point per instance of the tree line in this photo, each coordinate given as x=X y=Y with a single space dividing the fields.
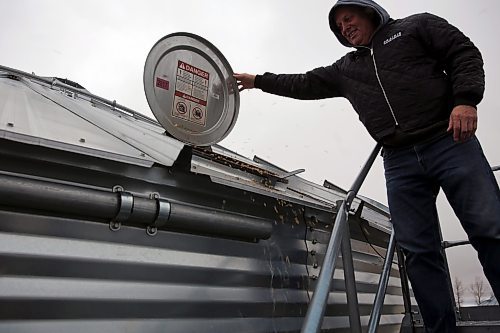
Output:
x=478 y=289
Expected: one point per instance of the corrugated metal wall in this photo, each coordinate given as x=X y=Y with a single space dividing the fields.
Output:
x=62 y=275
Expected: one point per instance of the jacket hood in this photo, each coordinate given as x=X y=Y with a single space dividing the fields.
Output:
x=379 y=11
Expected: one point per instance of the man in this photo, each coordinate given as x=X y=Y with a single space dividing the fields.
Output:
x=415 y=84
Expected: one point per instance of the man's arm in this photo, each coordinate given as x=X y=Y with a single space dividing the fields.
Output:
x=322 y=82
x=462 y=62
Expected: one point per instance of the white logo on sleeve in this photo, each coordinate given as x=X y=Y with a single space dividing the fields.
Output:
x=390 y=39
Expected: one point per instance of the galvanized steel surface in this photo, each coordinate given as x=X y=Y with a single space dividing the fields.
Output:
x=48 y=116
x=190 y=88
x=59 y=273
x=75 y=274
x=34 y=112
x=70 y=272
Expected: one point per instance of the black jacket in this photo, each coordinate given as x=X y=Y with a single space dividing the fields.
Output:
x=415 y=71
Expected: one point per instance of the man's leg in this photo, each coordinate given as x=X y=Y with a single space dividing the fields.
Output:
x=489 y=256
x=412 y=202
x=472 y=190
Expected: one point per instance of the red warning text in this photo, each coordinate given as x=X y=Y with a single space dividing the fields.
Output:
x=163 y=84
x=194 y=70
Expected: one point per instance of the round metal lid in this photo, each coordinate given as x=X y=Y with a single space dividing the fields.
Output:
x=190 y=88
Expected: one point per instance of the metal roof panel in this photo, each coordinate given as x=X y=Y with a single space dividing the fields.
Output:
x=35 y=113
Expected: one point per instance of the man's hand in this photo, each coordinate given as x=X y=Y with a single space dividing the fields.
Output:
x=463 y=122
x=244 y=81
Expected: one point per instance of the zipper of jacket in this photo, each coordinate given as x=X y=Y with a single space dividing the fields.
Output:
x=381 y=86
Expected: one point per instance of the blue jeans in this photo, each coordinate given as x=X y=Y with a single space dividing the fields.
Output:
x=414 y=176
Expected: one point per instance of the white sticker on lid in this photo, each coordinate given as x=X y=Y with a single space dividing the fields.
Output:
x=191 y=94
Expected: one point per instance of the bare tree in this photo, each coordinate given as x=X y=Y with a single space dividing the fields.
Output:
x=477 y=289
x=459 y=292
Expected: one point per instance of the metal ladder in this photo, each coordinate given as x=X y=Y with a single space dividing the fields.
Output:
x=340 y=242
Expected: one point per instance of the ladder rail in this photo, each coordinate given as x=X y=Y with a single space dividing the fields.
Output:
x=316 y=309
x=350 y=282
x=382 y=286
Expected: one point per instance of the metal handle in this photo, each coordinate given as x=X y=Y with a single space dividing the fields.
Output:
x=382 y=286
x=316 y=310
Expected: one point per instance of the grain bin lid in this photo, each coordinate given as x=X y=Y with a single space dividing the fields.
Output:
x=190 y=89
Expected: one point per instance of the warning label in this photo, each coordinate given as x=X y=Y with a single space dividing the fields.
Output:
x=191 y=92
x=163 y=84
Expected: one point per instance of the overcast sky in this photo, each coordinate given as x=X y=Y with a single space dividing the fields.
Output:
x=103 y=46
